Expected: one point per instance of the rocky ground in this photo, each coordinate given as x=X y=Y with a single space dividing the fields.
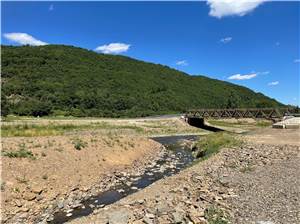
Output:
x=56 y=174
x=255 y=183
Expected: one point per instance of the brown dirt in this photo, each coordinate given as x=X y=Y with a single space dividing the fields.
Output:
x=274 y=136
x=29 y=184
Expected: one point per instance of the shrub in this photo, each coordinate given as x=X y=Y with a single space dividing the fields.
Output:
x=215 y=215
x=212 y=143
x=79 y=144
x=21 y=153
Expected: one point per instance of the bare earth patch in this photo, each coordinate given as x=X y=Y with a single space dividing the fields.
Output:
x=60 y=165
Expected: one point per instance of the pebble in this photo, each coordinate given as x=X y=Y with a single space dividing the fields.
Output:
x=150 y=216
x=120 y=190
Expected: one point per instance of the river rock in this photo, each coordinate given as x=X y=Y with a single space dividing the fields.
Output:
x=118 y=217
x=140 y=201
x=76 y=205
x=29 y=196
x=163 y=208
x=121 y=190
x=60 y=204
x=150 y=215
x=18 y=203
x=39 y=197
x=148 y=220
x=50 y=218
x=37 y=189
x=24 y=209
x=178 y=216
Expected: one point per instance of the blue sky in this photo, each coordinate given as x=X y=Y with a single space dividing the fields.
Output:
x=255 y=45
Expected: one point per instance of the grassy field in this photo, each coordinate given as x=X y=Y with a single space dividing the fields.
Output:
x=30 y=127
x=241 y=123
x=14 y=126
x=31 y=130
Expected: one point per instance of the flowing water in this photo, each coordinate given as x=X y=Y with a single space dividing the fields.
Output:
x=176 y=158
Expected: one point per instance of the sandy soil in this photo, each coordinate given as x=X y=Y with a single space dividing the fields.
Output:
x=274 y=136
x=29 y=185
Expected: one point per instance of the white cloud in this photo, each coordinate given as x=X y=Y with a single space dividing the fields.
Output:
x=221 y=8
x=273 y=83
x=182 y=62
x=113 y=48
x=297 y=60
x=226 y=40
x=23 y=38
x=242 y=77
x=51 y=7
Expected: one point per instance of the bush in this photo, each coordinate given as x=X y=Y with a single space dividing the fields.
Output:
x=33 y=108
x=79 y=144
x=21 y=153
x=212 y=143
x=215 y=215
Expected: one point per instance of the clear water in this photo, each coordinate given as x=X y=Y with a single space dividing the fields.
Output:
x=174 y=160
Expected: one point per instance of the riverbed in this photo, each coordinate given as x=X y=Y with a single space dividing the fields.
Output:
x=174 y=159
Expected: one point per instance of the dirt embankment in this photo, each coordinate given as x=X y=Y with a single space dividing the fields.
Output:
x=255 y=183
x=59 y=170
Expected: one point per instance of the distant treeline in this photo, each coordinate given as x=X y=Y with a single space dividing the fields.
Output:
x=65 y=80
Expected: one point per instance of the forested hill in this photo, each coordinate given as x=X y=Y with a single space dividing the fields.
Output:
x=65 y=80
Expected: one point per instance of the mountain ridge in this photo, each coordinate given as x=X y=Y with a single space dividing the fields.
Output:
x=68 y=80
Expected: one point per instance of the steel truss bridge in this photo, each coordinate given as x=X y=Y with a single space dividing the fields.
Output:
x=256 y=113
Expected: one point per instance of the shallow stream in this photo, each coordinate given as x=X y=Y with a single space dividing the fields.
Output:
x=175 y=159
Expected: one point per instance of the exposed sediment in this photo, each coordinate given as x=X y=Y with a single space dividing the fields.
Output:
x=60 y=176
x=248 y=184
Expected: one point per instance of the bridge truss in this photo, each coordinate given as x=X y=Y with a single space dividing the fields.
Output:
x=266 y=113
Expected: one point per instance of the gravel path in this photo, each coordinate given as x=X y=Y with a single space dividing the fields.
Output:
x=269 y=194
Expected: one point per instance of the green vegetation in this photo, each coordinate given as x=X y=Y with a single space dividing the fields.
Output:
x=238 y=123
x=16 y=189
x=79 y=144
x=22 y=152
x=44 y=127
x=212 y=143
x=68 y=81
x=3 y=185
x=215 y=215
x=30 y=130
x=247 y=168
x=264 y=123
